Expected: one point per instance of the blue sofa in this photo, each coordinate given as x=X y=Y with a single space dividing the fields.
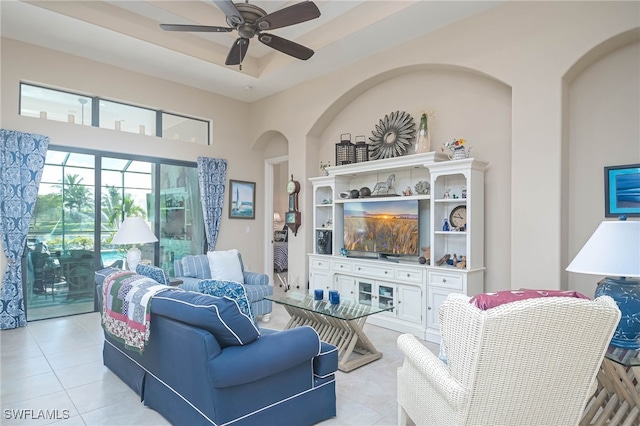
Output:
x=256 y=284
x=193 y=373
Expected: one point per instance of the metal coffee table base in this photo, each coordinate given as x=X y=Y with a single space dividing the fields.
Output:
x=354 y=348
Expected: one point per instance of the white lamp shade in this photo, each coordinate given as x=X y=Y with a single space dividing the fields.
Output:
x=613 y=250
x=276 y=217
x=134 y=230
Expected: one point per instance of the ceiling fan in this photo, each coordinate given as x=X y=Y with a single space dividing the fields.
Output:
x=249 y=20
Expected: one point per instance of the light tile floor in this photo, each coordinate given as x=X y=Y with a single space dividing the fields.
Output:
x=56 y=365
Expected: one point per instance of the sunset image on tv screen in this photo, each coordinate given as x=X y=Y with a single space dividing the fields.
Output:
x=382 y=227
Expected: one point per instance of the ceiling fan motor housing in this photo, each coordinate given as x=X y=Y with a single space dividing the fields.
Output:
x=251 y=14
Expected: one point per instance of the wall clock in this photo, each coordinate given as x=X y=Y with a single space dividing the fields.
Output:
x=458 y=218
x=293 y=217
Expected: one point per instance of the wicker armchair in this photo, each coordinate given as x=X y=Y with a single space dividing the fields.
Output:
x=530 y=362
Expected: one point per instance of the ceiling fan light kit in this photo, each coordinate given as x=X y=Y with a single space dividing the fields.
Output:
x=250 y=20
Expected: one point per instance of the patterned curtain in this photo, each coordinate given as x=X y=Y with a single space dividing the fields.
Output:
x=22 y=158
x=212 y=175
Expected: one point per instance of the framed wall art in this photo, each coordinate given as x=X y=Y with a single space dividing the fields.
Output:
x=622 y=190
x=242 y=199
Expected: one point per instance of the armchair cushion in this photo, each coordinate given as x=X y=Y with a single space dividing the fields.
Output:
x=225 y=266
x=220 y=316
x=153 y=272
x=486 y=301
x=195 y=267
x=230 y=290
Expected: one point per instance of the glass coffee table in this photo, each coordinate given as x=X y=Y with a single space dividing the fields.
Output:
x=340 y=325
x=617 y=399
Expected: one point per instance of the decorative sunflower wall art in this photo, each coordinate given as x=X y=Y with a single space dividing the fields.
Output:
x=392 y=136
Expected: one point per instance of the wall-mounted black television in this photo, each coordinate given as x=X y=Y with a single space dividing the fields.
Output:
x=381 y=227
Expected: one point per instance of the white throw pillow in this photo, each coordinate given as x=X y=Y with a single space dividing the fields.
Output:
x=225 y=266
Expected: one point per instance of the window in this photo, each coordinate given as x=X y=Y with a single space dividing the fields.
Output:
x=57 y=105
x=70 y=234
x=185 y=129
x=127 y=118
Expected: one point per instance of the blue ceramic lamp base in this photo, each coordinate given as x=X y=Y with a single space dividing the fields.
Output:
x=626 y=293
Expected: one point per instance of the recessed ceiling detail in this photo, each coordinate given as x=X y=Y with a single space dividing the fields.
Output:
x=250 y=20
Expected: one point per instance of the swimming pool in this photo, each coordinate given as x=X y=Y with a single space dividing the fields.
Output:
x=110 y=256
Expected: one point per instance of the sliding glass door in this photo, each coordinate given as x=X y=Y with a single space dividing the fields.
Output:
x=83 y=199
x=125 y=186
x=60 y=245
x=181 y=223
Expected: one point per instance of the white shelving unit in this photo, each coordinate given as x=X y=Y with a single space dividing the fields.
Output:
x=413 y=289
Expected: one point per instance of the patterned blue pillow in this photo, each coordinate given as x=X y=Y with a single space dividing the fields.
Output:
x=230 y=290
x=153 y=272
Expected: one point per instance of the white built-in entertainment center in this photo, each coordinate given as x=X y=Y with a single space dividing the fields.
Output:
x=415 y=290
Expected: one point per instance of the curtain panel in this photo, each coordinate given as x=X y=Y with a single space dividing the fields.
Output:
x=212 y=175
x=22 y=157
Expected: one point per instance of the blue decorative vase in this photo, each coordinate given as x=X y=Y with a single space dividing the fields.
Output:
x=626 y=293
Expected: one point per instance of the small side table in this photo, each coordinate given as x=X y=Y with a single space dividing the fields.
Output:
x=617 y=399
x=174 y=281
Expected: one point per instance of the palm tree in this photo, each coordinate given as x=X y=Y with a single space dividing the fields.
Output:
x=111 y=207
x=131 y=209
x=115 y=208
x=77 y=196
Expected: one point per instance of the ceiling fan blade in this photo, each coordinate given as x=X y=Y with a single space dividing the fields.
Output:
x=291 y=15
x=237 y=52
x=231 y=12
x=286 y=46
x=195 y=28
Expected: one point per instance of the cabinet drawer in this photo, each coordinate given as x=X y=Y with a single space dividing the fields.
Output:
x=409 y=275
x=340 y=265
x=448 y=280
x=320 y=264
x=374 y=271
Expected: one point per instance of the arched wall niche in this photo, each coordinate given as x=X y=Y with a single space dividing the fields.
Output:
x=467 y=104
x=270 y=139
x=348 y=96
x=601 y=127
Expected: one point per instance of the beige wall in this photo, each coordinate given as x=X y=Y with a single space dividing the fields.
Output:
x=604 y=130
x=501 y=79
x=24 y=62
x=529 y=47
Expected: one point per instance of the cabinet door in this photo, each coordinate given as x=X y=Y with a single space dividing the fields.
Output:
x=365 y=290
x=435 y=297
x=346 y=286
x=385 y=295
x=319 y=279
x=410 y=303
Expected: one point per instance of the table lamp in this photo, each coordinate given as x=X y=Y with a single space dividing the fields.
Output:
x=276 y=219
x=134 y=230
x=614 y=252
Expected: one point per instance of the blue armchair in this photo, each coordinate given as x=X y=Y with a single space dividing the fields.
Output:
x=193 y=268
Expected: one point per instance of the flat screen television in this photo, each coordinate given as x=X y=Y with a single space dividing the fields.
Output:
x=381 y=227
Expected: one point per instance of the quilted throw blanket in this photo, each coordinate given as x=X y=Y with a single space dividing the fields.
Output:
x=126 y=307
